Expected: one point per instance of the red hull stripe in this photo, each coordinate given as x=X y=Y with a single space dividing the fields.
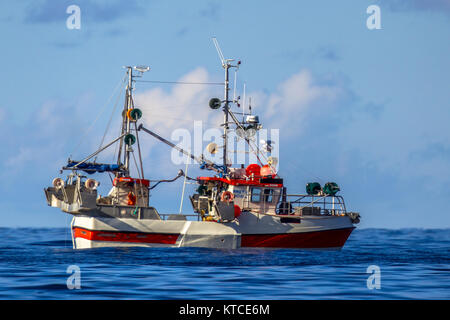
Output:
x=319 y=239
x=120 y=236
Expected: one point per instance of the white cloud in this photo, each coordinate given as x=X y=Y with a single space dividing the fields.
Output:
x=167 y=110
x=293 y=102
x=287 y=108
x=180 y=106
x=300 y=102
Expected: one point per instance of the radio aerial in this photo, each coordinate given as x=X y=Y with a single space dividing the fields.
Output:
x=142 y=69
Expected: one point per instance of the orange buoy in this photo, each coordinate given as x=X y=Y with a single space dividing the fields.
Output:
x=128 y=114
x=253 y=169
x=237 y=211
x=131 y=199
x=134 y=114
x=267 y=170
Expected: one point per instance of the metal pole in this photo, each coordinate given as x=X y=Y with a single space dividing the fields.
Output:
x=141 y=127
x=225 y=110
x=199 y=160
x=139 y=150
x=97 y=152
x=129 y=89
x=184 y=185
x=125 y=109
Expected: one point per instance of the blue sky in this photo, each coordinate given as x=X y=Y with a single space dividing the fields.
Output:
x=368 y=109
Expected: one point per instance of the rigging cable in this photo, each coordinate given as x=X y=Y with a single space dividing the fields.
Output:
x=110 y=120
x=138 y=143
x=98 y=116
x=182 y=82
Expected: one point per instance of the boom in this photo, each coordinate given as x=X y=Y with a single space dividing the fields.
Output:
x=204 y=162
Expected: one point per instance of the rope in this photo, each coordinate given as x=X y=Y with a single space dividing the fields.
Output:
x=138 y=143
x=98 y=116
x=180 y=174
x=164 y=116
x=109 y=121
x=257 y=153
x=182 y=82
x=137 y=168
x=115 y=148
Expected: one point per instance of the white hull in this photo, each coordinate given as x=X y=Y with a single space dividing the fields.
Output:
x=247 y=231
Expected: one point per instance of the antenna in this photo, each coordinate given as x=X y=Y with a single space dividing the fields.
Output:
x=226 y=64
x=234 y=85
x=219 y=52
x=223 y=61
x=141 y=69
x=243 y=106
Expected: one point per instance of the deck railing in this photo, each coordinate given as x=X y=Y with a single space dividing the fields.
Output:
x=165 y=216
x=305 y=204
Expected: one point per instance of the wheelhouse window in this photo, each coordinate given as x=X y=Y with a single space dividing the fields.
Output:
x=268 y=195
x=256 y=195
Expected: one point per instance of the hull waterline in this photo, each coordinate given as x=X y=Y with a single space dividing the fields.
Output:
x=315 y=233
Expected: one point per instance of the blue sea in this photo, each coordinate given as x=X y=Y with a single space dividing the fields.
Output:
x=374 y=264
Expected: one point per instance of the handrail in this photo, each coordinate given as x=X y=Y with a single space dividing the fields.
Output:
x=327 y=204
x=166 y=215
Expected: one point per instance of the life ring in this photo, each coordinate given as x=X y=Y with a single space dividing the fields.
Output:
x=91 y=184
x=227 y=196
x=131 y=199
x=58 y=183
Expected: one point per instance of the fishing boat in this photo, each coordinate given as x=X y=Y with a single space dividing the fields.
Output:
x=233 y=207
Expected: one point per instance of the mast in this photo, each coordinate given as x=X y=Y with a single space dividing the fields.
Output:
x=226 y=65
x=225 y=110
x=128 y=106
x=126 y=123
x=128 y=119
